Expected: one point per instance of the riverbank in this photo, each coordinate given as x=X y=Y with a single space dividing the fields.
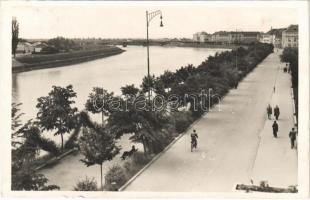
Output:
x=192 y=45
x=34 y=62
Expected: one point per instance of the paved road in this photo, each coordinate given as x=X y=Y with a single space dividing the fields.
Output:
x=229 y=141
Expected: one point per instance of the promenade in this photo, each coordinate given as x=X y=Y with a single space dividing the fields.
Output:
x=276 y=161
x=235 y=141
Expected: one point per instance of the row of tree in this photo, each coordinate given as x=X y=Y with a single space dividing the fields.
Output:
x=290 y=56
x=60 y=44
x=153 y=128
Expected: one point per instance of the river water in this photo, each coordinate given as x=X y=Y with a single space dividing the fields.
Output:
x=111 y=73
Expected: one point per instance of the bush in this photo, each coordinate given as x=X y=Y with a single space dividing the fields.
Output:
x=198 y=111
x=140 y=159
x=86 y=185
x=183 y=119
x=115 y=178
x=163 y=138
x=137 y=161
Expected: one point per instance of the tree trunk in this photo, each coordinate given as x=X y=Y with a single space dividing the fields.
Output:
x=102 y=115
x=144 y=146
x=101 y=177
x=62 y=141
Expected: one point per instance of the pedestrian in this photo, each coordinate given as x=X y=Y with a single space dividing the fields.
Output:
x=274 y=89
x=269 y=111
x=276 y=112
x=194 y=137
x=275 y=129
x=292 y=136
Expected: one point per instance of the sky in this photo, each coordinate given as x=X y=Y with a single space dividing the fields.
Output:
x=128 y=20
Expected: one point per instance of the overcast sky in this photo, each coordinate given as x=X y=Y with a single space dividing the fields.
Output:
x=128 y=21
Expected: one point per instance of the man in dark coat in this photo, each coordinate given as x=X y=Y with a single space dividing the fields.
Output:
x=292 y=136
x=194 y=138
x=269 y=111
x=276 y=112
x=275 y=129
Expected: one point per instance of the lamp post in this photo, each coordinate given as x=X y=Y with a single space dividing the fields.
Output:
x=149 y=17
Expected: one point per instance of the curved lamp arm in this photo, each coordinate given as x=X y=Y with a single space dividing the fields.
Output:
x=151 y=15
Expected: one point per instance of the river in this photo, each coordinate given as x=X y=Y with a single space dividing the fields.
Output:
x=111 y=73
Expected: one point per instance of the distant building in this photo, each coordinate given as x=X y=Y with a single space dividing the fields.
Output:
x=235 y=37
x=202 y=37
x=277 y=36
x=266 y=38
x=205 y=37
x=39 y=46
x=290 y=36
x=231 y=37
x=24 y=47
x=250 y=37
x=221 y=37
x=196 y=37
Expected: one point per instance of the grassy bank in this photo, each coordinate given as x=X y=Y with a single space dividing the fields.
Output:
x=39 y=61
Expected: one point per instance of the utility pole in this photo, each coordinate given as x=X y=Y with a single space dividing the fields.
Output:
x=236 y=49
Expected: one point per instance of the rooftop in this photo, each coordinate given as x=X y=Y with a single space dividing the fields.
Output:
x=292 y=28
x=276 y=31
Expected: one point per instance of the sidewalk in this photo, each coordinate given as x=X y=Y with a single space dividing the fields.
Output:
x=276 y=162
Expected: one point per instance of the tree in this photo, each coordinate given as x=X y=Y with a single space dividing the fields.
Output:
x=27 y=179
x=184 y=72
x=15 y=125
x=168 y=79
x=56 y=111
x=129 y=90
x=15 y=33
x=26 y=142
x=159 y=87
x=62 y=44
x=26 y=138
x=141 y=121
x=97 y=145
x=148 y=84
x=99 y=102
x=290 y=55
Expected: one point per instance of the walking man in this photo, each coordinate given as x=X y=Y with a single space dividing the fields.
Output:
x=276 y=112
x=194 y=138
x=275 y=129
x=269 y=111
x=292 y=136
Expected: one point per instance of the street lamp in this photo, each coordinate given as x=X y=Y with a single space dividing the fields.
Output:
x=149 y=17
